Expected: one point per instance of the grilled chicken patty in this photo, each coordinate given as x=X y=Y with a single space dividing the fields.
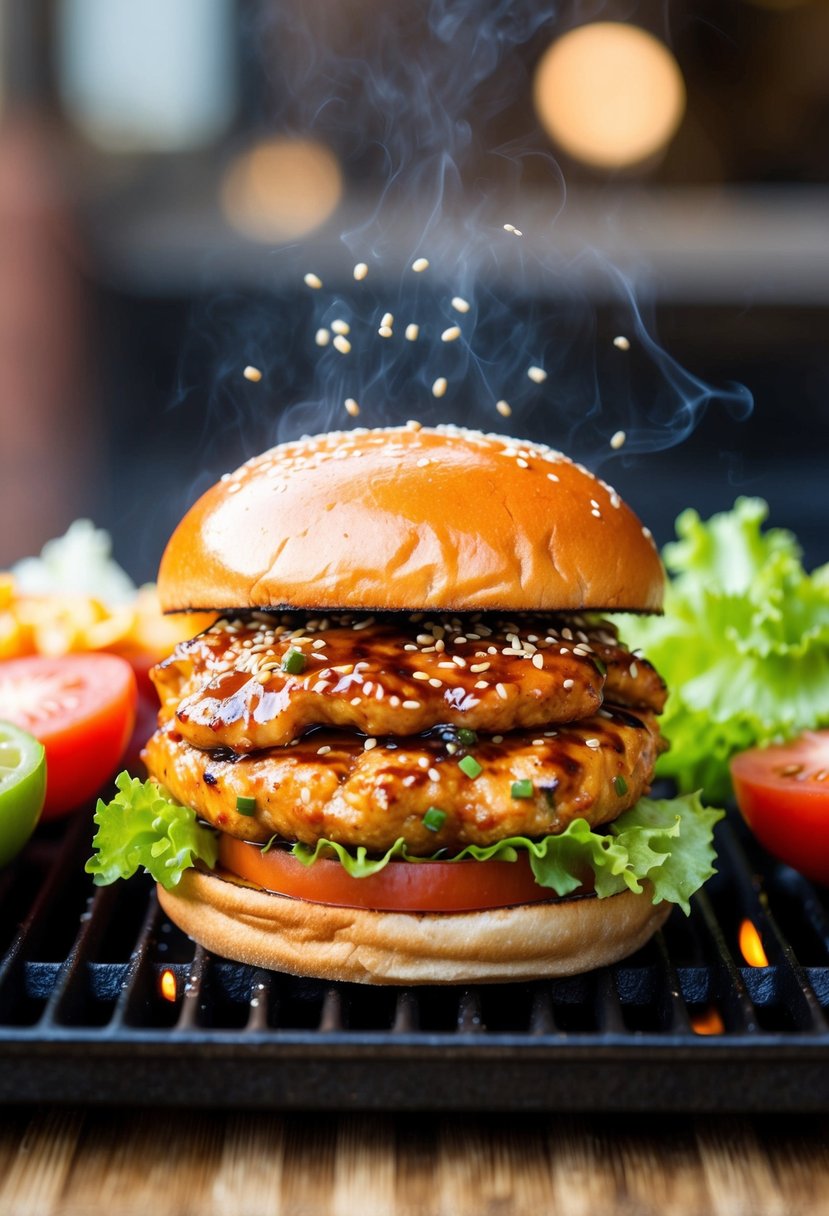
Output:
x=394 y=676
x=337 y=785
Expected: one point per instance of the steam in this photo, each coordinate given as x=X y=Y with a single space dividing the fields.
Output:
x=420 y=99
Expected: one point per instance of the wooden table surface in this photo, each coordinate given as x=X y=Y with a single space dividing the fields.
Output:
x=162 y=1163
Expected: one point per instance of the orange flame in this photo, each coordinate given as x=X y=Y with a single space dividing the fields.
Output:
x=708 y=1022
x=167 y=984
x=751 y=945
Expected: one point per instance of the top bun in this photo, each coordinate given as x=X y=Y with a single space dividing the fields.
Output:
x=412 y=517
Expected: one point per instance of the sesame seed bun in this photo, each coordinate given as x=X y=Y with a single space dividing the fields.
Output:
x=532 y=941
x=407 y=518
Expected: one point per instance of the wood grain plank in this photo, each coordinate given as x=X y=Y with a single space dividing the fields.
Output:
x=492 y=1167
x=122 y=1163
x=248 y=1175
x=37 y=1174
x=144 y=1164
x=741 y=1181
x=308 y=1168
x=364 y=1167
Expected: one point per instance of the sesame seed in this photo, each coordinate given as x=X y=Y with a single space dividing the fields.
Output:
x=419 y=675
x=360 y=271
x=412 y=332
x=340 y=327
x=552 y=477
x=394 y=701
x=481 y=684
x=439 y=387
x=522 y=464
x=501 y=691
x=305 y=795
x=435 y=682
x=355 y=700
x=621 y=343
x=460 y=304
x=451 y=334
x=634 y=671
x=476 y=667
x=594 y=743
x=497 y=738
x=538 y=742
x=369 y=744
x=313 y=280
x=253 y=374
x=423 y=462
x=323 y=751
x=537 y=374
x=504 y=408
x=423 y=762
x=597 y=514
x=538 y=661
x=617 y=441
x=342 y=344
x=414 y=425
x=458 y=661
x=410 y=780
x=420 y=264
x=385 y=331
x=322 y=337
x=567 y=683
x=411 y=705
x=387 y=319
x=351 y=407
x=509 y=227
x=433 y=774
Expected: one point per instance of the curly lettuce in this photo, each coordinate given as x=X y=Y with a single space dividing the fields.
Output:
x=143 y=828
x=743 y=644
x=667 y=842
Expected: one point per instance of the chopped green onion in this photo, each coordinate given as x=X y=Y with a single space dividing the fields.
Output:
x=434 y=819
x=470 y=766
x=294 y=662
x=467 y=737
x=620 y=785
x=245 y=805
x=522 y=789
x=600 y=665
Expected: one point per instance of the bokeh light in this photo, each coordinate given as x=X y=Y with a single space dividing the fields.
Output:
x=282 y=189
x=611 y=95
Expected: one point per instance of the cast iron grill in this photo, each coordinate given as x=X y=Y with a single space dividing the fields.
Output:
x=685 y=1024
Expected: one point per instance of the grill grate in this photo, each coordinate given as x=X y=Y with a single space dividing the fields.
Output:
x=83 y=1016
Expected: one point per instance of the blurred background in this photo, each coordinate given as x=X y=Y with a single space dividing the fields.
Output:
x=171 y=171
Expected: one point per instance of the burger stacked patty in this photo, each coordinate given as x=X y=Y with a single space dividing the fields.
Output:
x=352 y=727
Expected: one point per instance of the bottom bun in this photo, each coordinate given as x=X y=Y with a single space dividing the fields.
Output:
x=532 y=941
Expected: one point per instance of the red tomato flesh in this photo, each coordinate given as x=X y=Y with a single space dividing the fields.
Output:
x=82 y=709
x=783 y=794
x=403 y=886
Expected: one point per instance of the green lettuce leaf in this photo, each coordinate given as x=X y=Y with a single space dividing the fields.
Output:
x=669 y=842
x=142 y=827
x=743 y=644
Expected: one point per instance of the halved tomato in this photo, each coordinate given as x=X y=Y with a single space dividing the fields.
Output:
x=783 y=794
x=82 y=709
x=403 y=886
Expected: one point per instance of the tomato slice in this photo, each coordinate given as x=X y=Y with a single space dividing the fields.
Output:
x=22 y=788
x=403 y=886
x=82 y=709
x=783 y=794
